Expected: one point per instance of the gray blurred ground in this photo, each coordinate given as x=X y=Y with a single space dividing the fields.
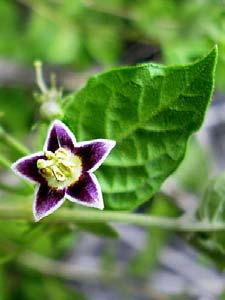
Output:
x=179 y=275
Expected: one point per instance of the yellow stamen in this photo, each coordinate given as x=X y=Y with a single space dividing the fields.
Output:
x=61 y=168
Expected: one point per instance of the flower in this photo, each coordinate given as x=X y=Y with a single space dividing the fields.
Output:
x=64 y=169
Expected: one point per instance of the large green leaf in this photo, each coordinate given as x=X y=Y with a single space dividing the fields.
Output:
x=151 y=111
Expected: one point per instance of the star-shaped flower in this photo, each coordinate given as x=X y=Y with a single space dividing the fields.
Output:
x=64 y=169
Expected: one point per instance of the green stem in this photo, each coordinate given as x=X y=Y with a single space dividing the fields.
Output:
x=39 y=77
x=13 y=143
x=7 y=188
x=5 y=163
x=64 y=215
x=24 y=191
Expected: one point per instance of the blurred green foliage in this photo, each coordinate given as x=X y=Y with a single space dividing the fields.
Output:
x=23 y=284
x=62 y=32
x=193 y=173
x=18 y=110
x=17 y=238
x=146 y=260
x=80 y=34
x=212 y=210
x=83 y=32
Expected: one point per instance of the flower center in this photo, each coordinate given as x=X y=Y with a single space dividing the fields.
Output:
x=61 y=168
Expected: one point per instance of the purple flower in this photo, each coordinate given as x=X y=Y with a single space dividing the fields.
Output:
x=64 y=169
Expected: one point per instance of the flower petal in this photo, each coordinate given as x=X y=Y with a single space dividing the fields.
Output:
x=47 y=200
x=93 y=153
x=27 y=167
x=86 y=191
x=59 y=135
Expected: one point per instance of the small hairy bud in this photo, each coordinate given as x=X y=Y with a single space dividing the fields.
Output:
x=51 y=110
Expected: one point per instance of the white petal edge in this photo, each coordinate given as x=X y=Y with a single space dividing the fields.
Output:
x=50 y=211
x=99 y=203
x=66 y=128
x=13 y=167
x=110 y=145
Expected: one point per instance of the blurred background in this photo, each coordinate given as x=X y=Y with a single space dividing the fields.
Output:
x=75 y=39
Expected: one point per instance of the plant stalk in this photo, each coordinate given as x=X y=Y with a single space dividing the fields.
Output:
x=5 y=163
x=65 y=215
x=15 y=144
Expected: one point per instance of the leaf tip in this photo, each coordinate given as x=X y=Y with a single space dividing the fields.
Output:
x=212 y=55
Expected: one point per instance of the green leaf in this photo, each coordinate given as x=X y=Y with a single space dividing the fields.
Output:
x=35 y=286
x=212 y=210
x=17 y=236
x=56 y=290
x=151 y=111
x=99 y=229
x=3 y=285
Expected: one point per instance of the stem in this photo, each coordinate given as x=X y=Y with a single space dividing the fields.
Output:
x=67 y=271
x=51 y=267
x=5 y=163
x=7 y=188
x=24 y=191
x=39 y=77
x=64 y=215
x=13 y=143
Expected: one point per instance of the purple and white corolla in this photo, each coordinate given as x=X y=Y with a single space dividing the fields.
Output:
x=64 y=169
